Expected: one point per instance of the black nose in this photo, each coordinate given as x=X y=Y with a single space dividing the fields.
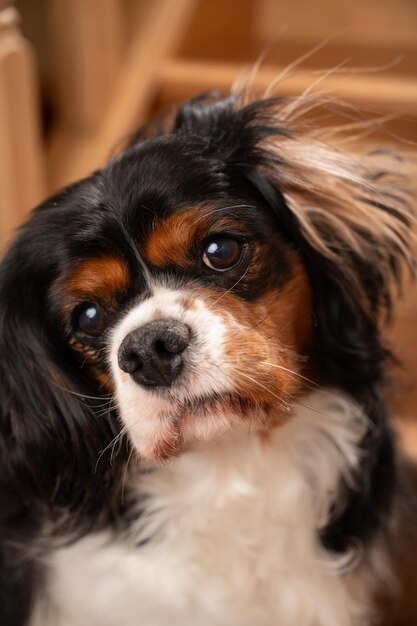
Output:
x=153 y=354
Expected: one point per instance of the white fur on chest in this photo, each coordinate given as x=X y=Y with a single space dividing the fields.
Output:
x=233 y=536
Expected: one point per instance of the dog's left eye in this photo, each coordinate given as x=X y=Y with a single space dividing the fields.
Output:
x=222 y=253
x=91 y=320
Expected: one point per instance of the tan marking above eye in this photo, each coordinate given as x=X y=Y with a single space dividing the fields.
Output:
x=97 y=279
x=170 y=243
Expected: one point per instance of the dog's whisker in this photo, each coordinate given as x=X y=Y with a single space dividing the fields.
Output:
x=125 y=471
x=107 y=410
x=106 y=403
x=260 y=322
x=81 y=395
x=290 y=371
x=112 y=442
x=232 y=287
x=117 y=441
x=283 y=403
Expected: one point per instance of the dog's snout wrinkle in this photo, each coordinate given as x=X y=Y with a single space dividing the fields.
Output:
x=153 y=353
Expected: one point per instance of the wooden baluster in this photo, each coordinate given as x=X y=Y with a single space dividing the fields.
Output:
x=155 y=35
x=86 y=38
x=21 y=155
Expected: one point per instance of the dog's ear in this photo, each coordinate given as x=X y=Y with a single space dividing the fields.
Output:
x=351 y=219
x=50 y=436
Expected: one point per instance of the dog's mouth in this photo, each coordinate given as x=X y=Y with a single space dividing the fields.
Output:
x=216 y=404
x=167 y=423
x=189 y=424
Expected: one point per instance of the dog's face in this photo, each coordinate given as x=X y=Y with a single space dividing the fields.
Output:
x=194 y=280
x=184 y=300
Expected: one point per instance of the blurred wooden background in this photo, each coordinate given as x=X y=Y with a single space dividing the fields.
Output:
x=77 y=76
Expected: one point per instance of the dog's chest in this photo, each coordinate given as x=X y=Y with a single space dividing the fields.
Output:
x=232 y=540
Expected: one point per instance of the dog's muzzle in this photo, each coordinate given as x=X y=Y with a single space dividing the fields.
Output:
x=153 y=354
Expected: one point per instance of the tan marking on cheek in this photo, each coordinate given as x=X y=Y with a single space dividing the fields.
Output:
x=171 y=242
x=276 y=337
x=267 y=340
x=100 y=278
x=93 y=358
x=289 y=312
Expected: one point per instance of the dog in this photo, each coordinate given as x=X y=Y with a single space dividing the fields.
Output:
x=194 y=422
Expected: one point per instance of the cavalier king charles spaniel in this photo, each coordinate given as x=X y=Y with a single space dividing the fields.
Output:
x=193 y=424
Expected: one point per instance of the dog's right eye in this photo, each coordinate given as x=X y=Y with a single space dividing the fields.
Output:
x=91 y=320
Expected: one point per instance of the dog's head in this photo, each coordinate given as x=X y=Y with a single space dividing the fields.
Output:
x=195 y=286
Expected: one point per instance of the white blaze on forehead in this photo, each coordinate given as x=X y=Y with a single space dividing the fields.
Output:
x=146 y=414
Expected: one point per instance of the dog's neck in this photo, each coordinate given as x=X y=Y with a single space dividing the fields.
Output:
x=297 y=464
x=251 y=508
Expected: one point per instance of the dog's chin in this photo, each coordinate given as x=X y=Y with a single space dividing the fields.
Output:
x=185 y=426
